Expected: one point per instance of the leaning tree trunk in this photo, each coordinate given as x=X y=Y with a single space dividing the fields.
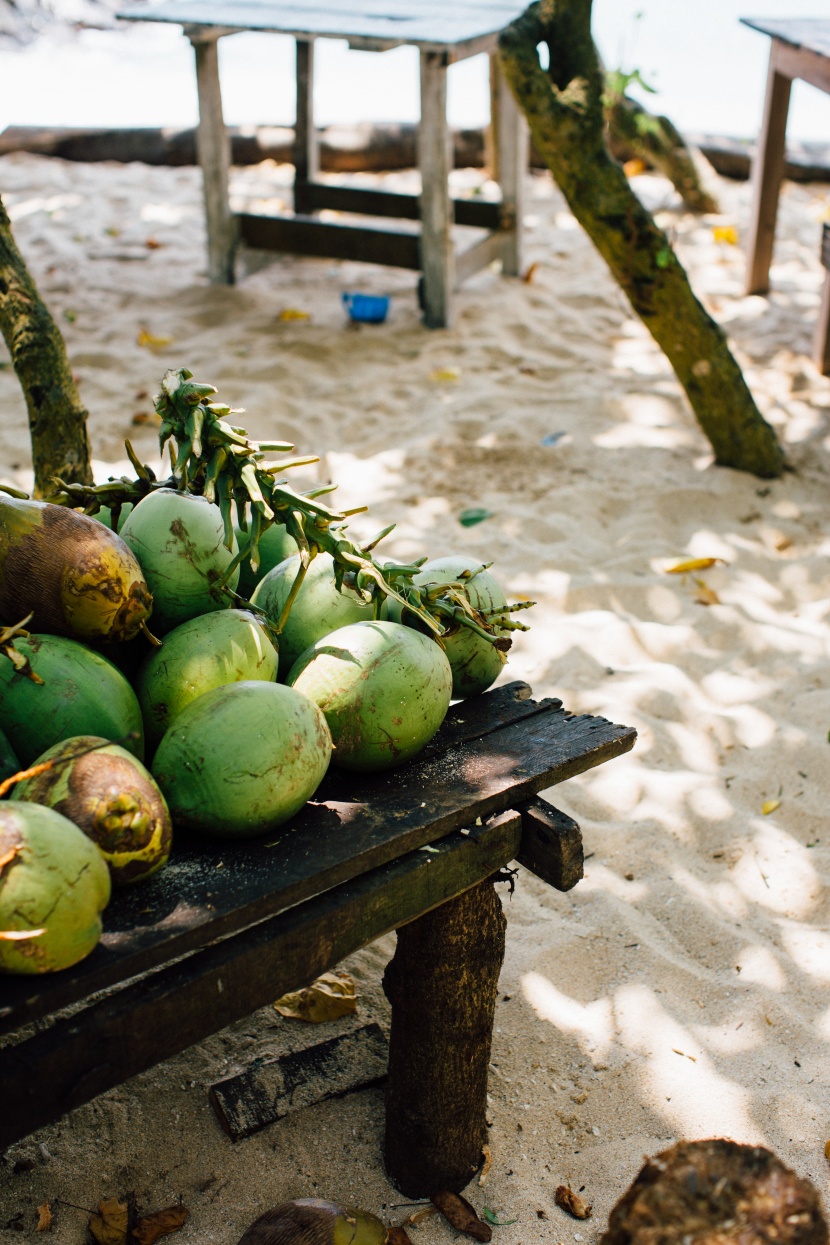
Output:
x=564 y=110
x=57 y=418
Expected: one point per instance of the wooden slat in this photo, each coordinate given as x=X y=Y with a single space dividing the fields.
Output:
x=214 y=152
x=551 y=845
x=156 y=1017
x=437 y=259
x=302 y=235
x=356 y=823
x=803 y=63
x=479 y=255
x=477 y=214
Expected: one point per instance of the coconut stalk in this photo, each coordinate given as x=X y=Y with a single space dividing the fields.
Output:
x=564 y=108
x=57 y=416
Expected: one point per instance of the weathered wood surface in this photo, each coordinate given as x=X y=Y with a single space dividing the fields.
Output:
x=767 y=174
x=156 y=1016
x=214 y=157
x=272 y=1088
x=356 y=823
x=810 y=33
x=477 y=213
x=303 y=235
x=551 y=845
x=437 y=258
x=511 y=139
x=306 y=137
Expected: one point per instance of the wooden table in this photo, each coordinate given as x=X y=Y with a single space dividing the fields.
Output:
x=228 y=927
x=800 y=49
x=444 y=33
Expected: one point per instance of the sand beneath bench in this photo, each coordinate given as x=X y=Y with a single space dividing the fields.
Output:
x=683 y=988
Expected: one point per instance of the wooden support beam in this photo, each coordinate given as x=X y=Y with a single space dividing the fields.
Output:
x=303 y=235
x=306 y=138
x=551 y=845
x=437 y=260
x=821 y=337
x=479 y=214
x=213 y=150
x=767 y=173
x=479 y=255
x=512 y=157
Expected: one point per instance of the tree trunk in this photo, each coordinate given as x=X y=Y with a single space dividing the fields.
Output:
x=631 y=128
x=442 y=983
x=57 y=418
x=565 y=113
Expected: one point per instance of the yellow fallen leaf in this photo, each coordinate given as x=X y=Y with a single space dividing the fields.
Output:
x=445 y=374
x=161 y=1223
x=293 y=313
x=827 y=1150
x=328 y=998
x=530 y=272
x=109 y=1226
x=725 y=233
x=706 y=595
x=44 y=1218
x=151 y=342
x=769 y=806
x=693 y=564
x=633 y=168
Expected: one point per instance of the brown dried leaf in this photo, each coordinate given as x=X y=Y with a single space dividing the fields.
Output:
x=488 y=1163
x=161 y=1223
x=328 y=998
x=572 y=1202
x=44 y=1218
x=109 y=1226
x=461 y=1215
x=418 y=1216
x=397 y=1236
x=706 y=595
x=530 y=272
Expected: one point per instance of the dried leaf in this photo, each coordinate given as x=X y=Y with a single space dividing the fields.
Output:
x=398 y=1236
x=572 y=1202
x=827 y=1150
x=769 y=806
x=418 y=1216
x=151 y=342
x=488 y=1163
x=445 y=374
x=461 y=1215
x=693 y=564
x=328 y=998
x=18 y=935
x=725 y=233
x=530 y=272
x=145 y=417
x=492 y=1217
x=44 y=1218
x=109 y=1226
x=476 y=514
x=161 y=1223
x=293 y=313
x=633 y=168
x=153 y=244
x=706 y=595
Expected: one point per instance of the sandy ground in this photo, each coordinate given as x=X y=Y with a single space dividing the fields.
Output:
x=683 y=988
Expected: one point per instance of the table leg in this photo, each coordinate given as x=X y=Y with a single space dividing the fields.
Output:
x=442 y=983
x=214 y=151
x=306 y=139
x=434 y=159
x=767 y=174
x=821 y=338
x=511 y=142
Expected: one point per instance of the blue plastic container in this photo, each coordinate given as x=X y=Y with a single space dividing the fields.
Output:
x=367 y=308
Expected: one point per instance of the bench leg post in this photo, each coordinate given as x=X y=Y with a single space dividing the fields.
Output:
x=511 y=143
x=306 y=139
x=437 y=261
x=767 y=174
x=214 y=151
x=442 y=983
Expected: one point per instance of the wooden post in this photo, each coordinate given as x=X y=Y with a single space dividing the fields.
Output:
x=442 y=983
x=306 y=139
x=767 y=174
x=434 y=159
x=214 y=152
x=821 y=338
x=512 y=147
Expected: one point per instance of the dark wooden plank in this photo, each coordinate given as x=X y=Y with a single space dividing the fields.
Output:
x=767 y=173
x=157 y=1016
x=272 y=1088
x=481 y=715
x=551 y=845
x=302 y=235
x=356 y=823
x=478 y=214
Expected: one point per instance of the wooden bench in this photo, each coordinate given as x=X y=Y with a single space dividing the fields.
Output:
x=443 y=34
x=226 y=928
x=800 y=49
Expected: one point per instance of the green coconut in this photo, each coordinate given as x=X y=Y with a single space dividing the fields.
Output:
x=82 y=694
x=384 y=689
x=179 y=541
x=54 y=885
x=9 y=763
x=275 y=545
x=314 y=1221
x=242 y=759
x=109 y=795
x=317 y=609
x=475 y=663
x=204 y=653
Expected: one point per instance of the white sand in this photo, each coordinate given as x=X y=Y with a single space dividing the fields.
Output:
x=683 y=988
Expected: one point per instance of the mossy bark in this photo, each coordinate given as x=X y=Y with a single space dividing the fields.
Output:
x=638 y=132
x=442 y=983
x=564 y=108
x=57 y=417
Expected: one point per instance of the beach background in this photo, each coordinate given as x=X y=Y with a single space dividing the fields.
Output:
x=682 y=990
